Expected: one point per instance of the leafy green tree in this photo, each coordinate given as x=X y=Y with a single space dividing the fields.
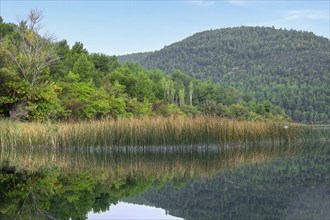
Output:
x=62 y=66
x=139 y=108
x=181 y=97
x=239 y=111
x=82 y=99
x=211 y=108
x=84 y=67
x=144 y=87
x=118 y=99
x=105 y=64
x=46 y=104
x=31 y=55
x=5 y=29
x=12 y=90
x=172 y=91
x=160 y=88
x=166 y=85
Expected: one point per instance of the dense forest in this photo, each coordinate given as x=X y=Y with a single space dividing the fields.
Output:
x=43 y=79
x=287 y=67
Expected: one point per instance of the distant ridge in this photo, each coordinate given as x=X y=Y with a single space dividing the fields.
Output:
x=290 y=68
x=134 y=57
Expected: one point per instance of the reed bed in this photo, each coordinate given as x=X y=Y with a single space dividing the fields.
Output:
x=155 y=131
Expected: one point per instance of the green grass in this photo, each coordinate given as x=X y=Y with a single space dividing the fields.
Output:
x=146 y=132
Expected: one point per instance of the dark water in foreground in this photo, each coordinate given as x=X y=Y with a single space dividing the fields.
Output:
x=191 y=182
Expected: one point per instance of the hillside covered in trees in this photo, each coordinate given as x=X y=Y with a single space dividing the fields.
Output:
x=42 y=79
x=286 y=67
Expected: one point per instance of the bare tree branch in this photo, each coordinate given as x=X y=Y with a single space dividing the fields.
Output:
x=33 y=52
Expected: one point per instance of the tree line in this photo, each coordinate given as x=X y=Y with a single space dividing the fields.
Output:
x=42 y=79
x=287 y=67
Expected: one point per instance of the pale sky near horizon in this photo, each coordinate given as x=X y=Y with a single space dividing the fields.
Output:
x=122 y=26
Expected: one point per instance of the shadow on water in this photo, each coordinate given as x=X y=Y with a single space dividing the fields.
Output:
x=192 y=182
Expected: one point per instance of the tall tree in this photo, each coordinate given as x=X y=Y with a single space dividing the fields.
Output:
x=31 y=54
x=191 y=90
x=181 y=97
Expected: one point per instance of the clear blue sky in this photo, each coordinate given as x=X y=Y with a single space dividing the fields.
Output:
x=122 y=27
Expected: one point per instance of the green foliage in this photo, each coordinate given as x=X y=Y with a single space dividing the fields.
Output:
x=12 y=89
x=84 y=67
x=83 y=99
x=5 y=29
x=288 y=68
x=80 y=85
x=104 y=63
x=28 y=55
x=46 y=103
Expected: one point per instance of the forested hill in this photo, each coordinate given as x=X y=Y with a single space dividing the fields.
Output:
x=41 y=80
x=289 y=68
x=134 y=57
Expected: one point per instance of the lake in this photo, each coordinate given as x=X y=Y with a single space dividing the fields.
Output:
x=260 y=181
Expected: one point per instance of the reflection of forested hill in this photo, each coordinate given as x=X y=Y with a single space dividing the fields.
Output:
x=282 y=189
x=289 y=68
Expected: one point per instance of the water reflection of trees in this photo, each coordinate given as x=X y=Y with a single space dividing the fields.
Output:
x=286 y=188
x=68 y=184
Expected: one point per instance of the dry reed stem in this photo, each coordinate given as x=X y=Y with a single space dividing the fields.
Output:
x=143 y=132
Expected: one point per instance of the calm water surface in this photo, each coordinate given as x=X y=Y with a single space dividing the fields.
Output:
x=289 y=181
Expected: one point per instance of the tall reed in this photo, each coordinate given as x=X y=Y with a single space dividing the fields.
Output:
x=145 y=132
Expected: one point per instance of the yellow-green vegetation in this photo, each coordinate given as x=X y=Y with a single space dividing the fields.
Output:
x=149 y=131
